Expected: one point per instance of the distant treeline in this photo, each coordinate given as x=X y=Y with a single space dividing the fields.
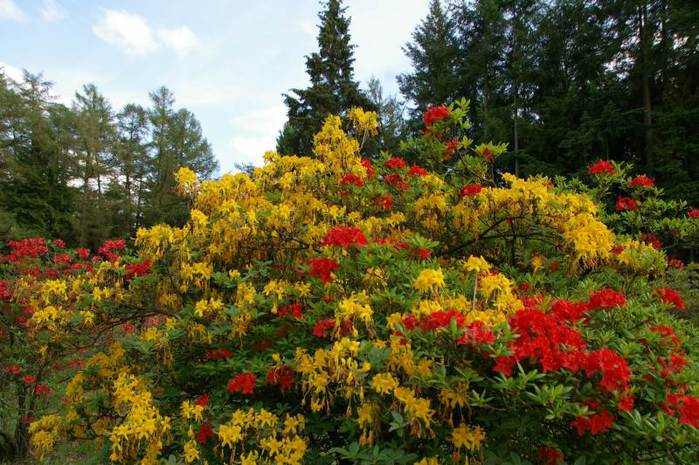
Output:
x=87 y=172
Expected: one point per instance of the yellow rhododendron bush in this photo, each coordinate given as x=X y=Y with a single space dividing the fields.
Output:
x=332 y=308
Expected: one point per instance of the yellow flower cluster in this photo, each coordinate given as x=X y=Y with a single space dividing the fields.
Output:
x=365 y=122
x=140 y=436
x=467 y=437
x=278 y=442
x=429 y=280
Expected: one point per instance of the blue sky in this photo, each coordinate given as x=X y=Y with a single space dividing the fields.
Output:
x=228 y=61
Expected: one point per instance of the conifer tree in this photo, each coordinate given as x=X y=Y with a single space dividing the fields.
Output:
x=333 y=89
x=433 y=53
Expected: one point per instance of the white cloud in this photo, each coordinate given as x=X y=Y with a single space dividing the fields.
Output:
x=132 y=33
x=181 y=39
x=126 y=30
x=9 y=10
x=51 y=11
x=308 y=27
x=266 y=120
x=12 y=72
x=247 y=150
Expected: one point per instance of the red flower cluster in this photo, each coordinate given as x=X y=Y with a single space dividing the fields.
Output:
x=550 y=456
x=626 y=203
x=292 y=311
x=668 y=296
x=569 y=311
x=281 y=376
x=470 y=190
x=606 y=298
x=324 y=327
x=344 y=237
x=41 y=390
x=367 y=166
x=596 y=423
x=693 y=213
x=422 y=253
x=202 y=400
x=614 y=369
x=219 y=354
x=477 y=333
x=134 y=270
x=384 y=201
x=32 y=248
x=650 y=238
x=451 y=148
x=685 y=406
x=434 y=114
x=417 y=171
x=601 y=167
x=396 y=180
x=82 y=252
x=13 y=370
x=352 y=180
x=29 y=379
x=322 y=268
x=642 y=181
x=205 y=433
x=4 y=291
x=110 y=249
x=487 y=153
x=58 y=243
x=243 y=383
x=395 y=163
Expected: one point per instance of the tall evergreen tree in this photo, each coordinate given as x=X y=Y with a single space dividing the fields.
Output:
x=333 y=89
x=434 y=54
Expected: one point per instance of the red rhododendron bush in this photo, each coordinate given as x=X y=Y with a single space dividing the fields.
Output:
x=405 y=310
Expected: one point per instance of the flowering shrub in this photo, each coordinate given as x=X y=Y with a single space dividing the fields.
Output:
x=332 y=309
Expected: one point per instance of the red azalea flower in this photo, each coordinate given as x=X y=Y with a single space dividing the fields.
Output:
x=650 y=238
x=59 y=243
x=396 y=180
x=675 y=263
x=625 y=403
x=614 y=369
x=384 y=201
x=693 y=213
x=602 y=167
x=243 y=383
x=686 y=406
x=282 y=376
x=451 y=148
x=487 y=153
x=352 y=180
x=626 y=203
x=292 y=311
x=423 y=253
x=29 y=379
x=367 y=166
x=13 y=370
x=41 y=390
x=344 y=237
x=324 y=327
x=596 y=423
x=434 y=114
x=395 y=163
x=82 y=252
x=202 y=400
x=477 y=333
x=642 y=181
x=205 y=433
x=569 y=311
x=617 y=249
x=219 y=354
x=668 y=296
x=550 y=456
x=470 y=190
x=134 y=270
x=322 y=268
x=607 y=298
x=417 y=171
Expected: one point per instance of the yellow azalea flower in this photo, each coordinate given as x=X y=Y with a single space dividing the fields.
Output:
x=429 y=280
x=477 y=264
x=467 y=437
x=384 y=383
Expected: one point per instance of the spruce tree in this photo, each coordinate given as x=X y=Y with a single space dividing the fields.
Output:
x=333 y=89
x=434 y=57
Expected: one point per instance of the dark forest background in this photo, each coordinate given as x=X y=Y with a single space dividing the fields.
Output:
x=563 y=82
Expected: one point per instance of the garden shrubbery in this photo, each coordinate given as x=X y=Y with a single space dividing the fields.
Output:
x=335 y=309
